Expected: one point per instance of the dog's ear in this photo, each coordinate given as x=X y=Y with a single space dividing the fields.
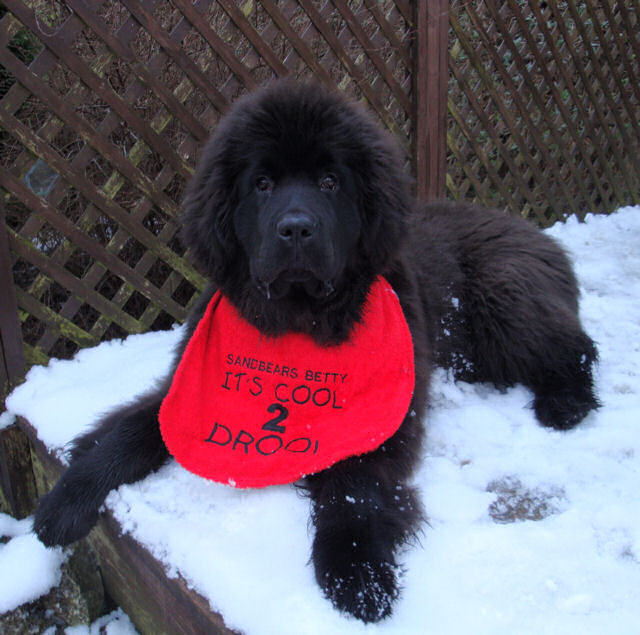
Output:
x=210 y=197
x=384 y=189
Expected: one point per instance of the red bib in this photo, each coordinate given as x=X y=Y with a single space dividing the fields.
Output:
x=250 y=410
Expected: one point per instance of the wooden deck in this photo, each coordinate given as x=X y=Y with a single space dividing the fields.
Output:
x=133 y=578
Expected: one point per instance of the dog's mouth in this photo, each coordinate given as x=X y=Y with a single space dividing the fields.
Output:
x=295 y=283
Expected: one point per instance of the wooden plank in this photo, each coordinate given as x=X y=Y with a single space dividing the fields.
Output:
x=139 y=584
x=16 y=488
x=12 y=359
x=17 y=485
x=136 y=581
x=431 y=81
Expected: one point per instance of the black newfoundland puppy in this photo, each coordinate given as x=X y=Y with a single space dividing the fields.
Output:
x=299 y=203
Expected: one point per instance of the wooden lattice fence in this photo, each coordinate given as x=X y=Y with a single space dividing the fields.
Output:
x=544 y=105
x=104 y=106
x=103 y=125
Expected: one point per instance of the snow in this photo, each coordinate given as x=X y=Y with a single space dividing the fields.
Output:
x=115 y=623
x=127 y=368
x=530 y=530
x=29 y=568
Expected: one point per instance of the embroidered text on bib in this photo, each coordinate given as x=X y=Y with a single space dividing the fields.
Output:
x=249 y=410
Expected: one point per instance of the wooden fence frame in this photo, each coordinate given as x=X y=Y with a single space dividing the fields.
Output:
x=12 y=361
x=432 y=20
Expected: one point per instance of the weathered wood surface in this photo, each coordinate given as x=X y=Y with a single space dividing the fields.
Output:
x=11 y=357
x=133 y=578
x=17 y=485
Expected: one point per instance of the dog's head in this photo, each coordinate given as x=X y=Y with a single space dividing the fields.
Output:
x=297 y=196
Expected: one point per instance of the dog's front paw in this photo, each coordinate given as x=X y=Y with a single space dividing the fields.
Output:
x=366 y=590
x=62 y=518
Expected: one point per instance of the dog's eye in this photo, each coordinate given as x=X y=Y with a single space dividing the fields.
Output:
x=264 y=184
x=328 y=182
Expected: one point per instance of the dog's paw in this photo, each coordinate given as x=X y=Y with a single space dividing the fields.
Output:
x=61 y=519
x=366 y=590
x=563 y=410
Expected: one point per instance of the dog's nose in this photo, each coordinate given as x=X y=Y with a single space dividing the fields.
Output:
x=296 y=227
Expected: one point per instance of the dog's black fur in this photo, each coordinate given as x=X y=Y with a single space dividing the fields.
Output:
x=298 y=202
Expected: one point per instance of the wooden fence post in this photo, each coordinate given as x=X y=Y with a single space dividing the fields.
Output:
x=11 y=356
x=430 y=86
x=17 y=486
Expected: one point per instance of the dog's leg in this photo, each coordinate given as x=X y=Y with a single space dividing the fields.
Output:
x=124 y=448
x=564 y=390
x=538 y=342
x=363 y=510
